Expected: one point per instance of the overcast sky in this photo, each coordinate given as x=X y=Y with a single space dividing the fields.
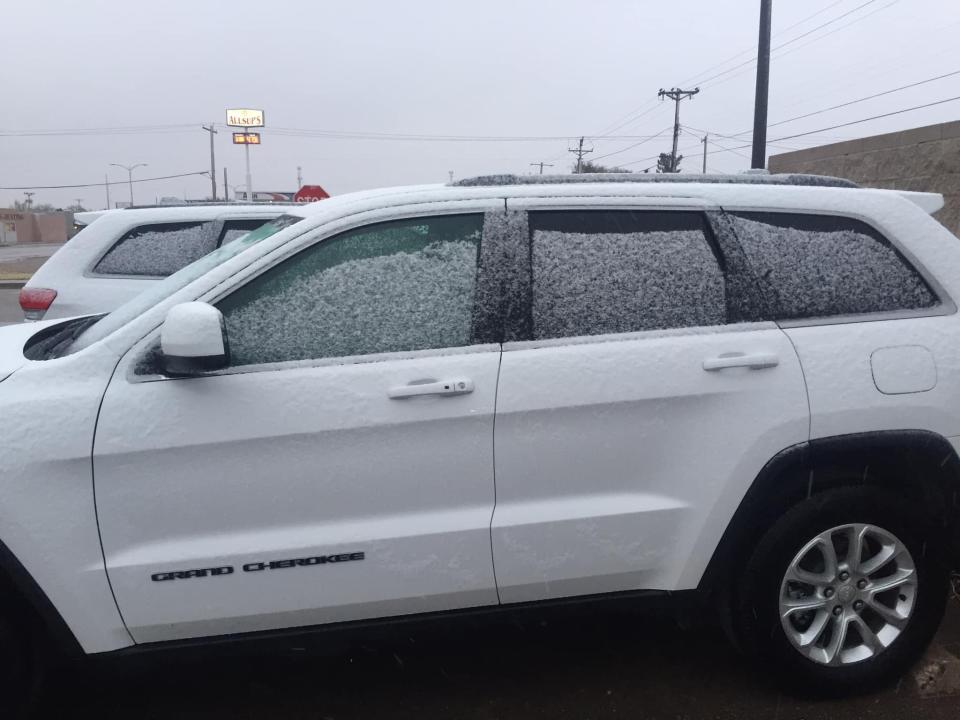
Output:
x=552 y=69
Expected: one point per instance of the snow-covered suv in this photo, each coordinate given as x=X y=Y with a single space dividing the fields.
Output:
x=504 y=392
x=120 y=253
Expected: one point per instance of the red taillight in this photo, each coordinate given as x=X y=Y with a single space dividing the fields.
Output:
x=36 y=301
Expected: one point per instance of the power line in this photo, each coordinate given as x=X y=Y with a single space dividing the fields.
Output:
x=815 y=132
x=631 y=147
x=863 y=120
x=858 y=100
x=692 y=78
x=791 y=41
x=304 y=132
x=631 y=117
x=128 y=130
x=800 y=47
x=358 y=135
x=101 y=184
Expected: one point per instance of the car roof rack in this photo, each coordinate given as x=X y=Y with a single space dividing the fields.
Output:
x=231 y=203
x=748 y=178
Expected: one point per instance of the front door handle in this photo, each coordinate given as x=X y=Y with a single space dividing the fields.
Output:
x=456 y=386
x=756 y=361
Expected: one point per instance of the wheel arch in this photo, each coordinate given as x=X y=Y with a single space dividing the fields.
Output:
x=20 y=594
x=921 y=465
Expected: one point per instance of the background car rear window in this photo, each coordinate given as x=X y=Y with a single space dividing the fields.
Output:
x=157 y=250
x=394 y=286
x=617 y=271
x=819 y=266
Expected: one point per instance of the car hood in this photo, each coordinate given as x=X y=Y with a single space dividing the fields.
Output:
x=12 y=340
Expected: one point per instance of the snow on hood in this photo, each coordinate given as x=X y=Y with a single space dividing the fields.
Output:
x=12 y=340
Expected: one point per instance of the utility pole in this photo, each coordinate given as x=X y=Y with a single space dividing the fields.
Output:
x=213 y=165
x=29 y=201
x=226 y=190
x=129 y=169
x=450 y=175
x=299 y=177
x=759 y=159
x=246 y=153
x=580 y=152
x=705 y=139
x=676 y=94
x=106 y=188
x=542 y=165
x=79 y=202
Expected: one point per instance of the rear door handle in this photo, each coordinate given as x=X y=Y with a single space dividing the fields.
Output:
x=756 y=361
x=456 y=386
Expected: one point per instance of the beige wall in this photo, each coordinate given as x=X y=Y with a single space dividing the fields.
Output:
x=54 y=227
x=925 y=159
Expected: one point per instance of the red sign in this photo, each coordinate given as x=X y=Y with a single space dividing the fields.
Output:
x=310 y=193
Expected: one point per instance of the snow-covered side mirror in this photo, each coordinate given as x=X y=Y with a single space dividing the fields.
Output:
x=193 y=340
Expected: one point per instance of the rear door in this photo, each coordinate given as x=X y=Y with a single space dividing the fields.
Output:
x=640 y=397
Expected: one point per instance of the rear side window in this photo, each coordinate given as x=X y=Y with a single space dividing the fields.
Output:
x=157 y=250
x=821 y=266
x=232 y=229
x=618 y=271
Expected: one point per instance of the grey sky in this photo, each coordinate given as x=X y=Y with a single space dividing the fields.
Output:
x=434 y=67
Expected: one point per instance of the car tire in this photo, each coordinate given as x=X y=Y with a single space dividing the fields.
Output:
x=826 y=625
x=17 y=669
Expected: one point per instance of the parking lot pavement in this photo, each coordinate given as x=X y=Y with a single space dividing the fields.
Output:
x=9 y=306
x=13 y=253
x=599 y=666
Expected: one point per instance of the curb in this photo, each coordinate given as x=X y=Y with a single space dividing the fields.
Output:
x=12 y=284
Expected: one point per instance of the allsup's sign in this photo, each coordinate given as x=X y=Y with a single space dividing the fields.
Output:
x=244 y=117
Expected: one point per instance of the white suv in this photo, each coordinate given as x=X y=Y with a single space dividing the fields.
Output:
x=120 y=253
x=499 y=394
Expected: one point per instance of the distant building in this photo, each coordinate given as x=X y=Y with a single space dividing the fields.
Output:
x=18 y=227
x=925 y=159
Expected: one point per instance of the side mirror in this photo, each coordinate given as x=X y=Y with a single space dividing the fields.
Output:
x=193 y=340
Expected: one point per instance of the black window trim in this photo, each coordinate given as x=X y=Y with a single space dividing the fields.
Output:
x=218 y=224
x=944 y=305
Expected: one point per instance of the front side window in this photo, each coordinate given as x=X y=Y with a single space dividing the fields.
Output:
x=619 y=271
x=157 y=250
x=822 y=266
x=395 y=286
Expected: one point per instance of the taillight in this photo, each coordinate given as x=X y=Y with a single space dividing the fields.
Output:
x=36 y=301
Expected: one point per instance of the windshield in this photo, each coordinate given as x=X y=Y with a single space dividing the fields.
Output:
x=183 y=277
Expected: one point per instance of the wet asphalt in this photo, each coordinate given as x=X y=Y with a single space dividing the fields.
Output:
x=602 y=665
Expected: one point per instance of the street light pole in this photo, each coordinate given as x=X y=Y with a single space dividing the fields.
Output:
x=129 y=169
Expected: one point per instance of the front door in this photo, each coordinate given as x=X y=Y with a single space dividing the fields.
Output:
x=340 y=469
x=642 y=400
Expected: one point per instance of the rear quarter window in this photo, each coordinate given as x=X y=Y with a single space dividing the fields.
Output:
x=157 y=250
x=821 y=266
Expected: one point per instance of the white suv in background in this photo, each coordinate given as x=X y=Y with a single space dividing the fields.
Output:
x=497 y=395
x=119 y=253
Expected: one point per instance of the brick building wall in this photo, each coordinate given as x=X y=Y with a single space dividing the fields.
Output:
x=925 y=159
